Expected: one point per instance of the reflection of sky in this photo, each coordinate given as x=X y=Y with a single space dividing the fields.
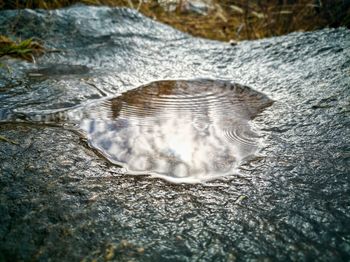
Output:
x=188 y=141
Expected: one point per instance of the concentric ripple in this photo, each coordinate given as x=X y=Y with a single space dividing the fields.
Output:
x=183 y=131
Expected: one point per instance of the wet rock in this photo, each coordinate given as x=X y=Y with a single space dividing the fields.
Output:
x=295 y=192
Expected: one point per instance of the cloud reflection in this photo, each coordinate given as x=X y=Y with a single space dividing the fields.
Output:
x=183 y=131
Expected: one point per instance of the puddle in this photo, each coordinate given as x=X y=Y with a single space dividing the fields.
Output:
x=182 y=131
x=185 y=131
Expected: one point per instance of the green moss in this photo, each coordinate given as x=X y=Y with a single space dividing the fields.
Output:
x=25 y=49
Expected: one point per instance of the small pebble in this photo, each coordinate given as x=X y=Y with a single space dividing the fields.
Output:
x=233 y=42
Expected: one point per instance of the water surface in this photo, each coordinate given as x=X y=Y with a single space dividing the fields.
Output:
x=183 y=131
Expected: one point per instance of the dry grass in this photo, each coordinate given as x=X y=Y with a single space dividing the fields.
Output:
x=242 y=20
x=228 y=19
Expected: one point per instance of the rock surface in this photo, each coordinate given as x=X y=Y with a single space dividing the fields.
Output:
x=61 y=200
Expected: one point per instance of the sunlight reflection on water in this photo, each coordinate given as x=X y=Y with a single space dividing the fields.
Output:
x=183 y=131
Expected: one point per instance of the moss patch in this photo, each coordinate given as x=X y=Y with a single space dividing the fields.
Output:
x=25 y=49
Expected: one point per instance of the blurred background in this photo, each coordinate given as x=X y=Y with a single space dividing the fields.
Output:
x=225 y=20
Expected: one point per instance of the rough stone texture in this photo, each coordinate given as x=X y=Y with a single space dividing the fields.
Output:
x=61 y=201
